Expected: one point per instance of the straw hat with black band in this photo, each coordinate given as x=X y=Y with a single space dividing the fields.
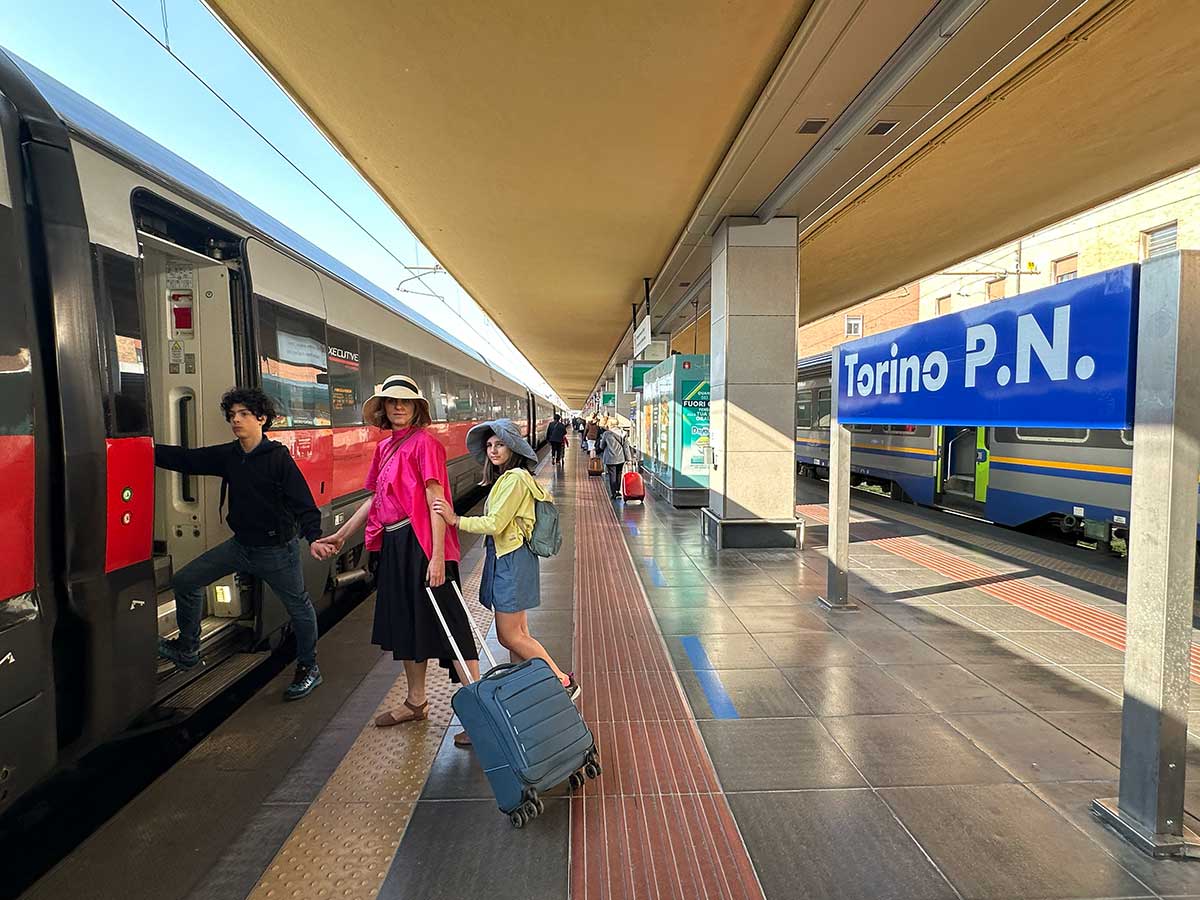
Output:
x=395 y=387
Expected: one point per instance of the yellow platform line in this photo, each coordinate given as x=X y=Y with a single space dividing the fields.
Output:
x=344 y=844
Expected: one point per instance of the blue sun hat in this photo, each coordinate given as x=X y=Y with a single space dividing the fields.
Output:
x=507 y=431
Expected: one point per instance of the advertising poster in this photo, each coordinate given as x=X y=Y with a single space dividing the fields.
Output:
x=693 y=403
x=663 y=452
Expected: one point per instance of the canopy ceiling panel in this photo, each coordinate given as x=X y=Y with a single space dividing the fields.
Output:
x=548 y=153
x=1105 y=108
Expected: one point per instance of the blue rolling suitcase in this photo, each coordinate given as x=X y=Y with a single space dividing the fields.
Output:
x=526 y=732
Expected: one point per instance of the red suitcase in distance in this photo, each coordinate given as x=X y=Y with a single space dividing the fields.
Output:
x=633 y=487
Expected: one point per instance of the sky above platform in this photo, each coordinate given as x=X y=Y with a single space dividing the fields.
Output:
x=116 y=55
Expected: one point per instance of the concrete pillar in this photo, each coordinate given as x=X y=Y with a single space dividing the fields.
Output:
x=753 y=375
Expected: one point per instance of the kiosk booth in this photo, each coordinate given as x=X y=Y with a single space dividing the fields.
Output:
x=673 y=426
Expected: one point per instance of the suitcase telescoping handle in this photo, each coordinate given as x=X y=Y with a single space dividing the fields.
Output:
x=450 y=637
x=474 y=628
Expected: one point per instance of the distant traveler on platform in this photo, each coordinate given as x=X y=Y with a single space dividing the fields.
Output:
x=614 y=451
x=510 y=583
x=268 y=501
x=407 y=474
x=590 y=433
x=556 y=434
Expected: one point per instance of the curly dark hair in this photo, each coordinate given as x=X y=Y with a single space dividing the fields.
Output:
x=254 y=400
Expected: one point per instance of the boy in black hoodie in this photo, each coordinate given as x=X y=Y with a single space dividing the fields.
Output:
x=268 y=501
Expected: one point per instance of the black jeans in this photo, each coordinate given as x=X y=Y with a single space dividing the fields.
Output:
x=614 y=479
x=556 y=450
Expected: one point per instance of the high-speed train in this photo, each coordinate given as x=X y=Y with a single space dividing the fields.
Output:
x=1075 y=479
x=138 y=290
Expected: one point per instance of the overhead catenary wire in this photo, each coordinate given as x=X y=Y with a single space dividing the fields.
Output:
x=415 y=273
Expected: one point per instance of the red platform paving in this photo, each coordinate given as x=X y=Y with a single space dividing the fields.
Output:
x=1097 y=624
x=656 y=823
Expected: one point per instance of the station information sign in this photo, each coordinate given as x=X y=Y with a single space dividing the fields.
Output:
x=1059 y=357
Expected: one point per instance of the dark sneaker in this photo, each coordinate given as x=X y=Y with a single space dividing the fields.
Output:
x=572 y=687
x=307 y=678
x=175 y=652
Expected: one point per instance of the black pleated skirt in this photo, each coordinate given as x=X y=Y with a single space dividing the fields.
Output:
x=405 y=622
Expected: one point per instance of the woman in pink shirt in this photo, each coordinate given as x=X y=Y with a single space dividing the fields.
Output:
x=407 y=474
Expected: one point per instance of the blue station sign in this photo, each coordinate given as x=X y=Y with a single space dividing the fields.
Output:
x=1059 y=357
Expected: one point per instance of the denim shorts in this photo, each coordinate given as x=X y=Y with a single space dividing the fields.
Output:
x=510 y=583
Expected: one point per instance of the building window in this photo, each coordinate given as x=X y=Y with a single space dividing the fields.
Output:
x=943 y=304
x=854 y=326
x=995 y=289
x=1158 y=241
x=1066 y=268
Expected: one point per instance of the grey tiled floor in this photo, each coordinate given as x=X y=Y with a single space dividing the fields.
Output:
x=939 y=742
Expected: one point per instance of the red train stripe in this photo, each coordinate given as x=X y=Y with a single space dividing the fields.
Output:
x=16 y=514
x=129 y=500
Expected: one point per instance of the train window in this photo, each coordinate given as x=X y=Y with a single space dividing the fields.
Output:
x=910 y=430
x=116 y=288
x=16 y=369
x=863 y=428
x=804 y=409
x=390 y=362
x=345 y=379
x=294 y=363
x=437 y=391
x=460 y=397
x=1052 y=435
x=418 y=369
x=366 y=372
x=823 y=407
x=494 y=408
x=516 y=408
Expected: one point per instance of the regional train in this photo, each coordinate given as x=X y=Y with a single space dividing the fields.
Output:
x=1076 y=480
x=138 y=290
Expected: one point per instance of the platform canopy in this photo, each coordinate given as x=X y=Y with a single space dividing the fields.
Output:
x=553 y=154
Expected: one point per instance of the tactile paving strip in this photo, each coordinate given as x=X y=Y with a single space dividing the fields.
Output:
x=343 y=846
x=655 y=824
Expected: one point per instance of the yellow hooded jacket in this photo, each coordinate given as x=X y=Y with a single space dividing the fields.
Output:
x=509 y=513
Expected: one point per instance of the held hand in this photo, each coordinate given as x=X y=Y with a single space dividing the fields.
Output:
x=327 y=547
x=445 y=510
x=436 y=575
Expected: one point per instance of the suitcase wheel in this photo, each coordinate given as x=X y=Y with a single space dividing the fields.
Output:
x=575 y=781
x=517 y=818
x=592 y=770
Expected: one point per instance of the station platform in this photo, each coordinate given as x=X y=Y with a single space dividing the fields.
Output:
x=945 y=740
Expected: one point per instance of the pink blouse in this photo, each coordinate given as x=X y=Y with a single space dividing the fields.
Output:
x=400 y=489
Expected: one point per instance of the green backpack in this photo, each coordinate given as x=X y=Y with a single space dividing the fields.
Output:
x=546 y=539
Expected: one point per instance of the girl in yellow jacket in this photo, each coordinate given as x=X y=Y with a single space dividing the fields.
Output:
x=510 y=584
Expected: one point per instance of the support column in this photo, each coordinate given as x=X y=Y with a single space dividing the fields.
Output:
x=1162 y=559
x=837 y=592
x=752 y=421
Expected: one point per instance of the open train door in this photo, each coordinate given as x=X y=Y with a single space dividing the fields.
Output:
x=28 y=745
x=963 y=467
